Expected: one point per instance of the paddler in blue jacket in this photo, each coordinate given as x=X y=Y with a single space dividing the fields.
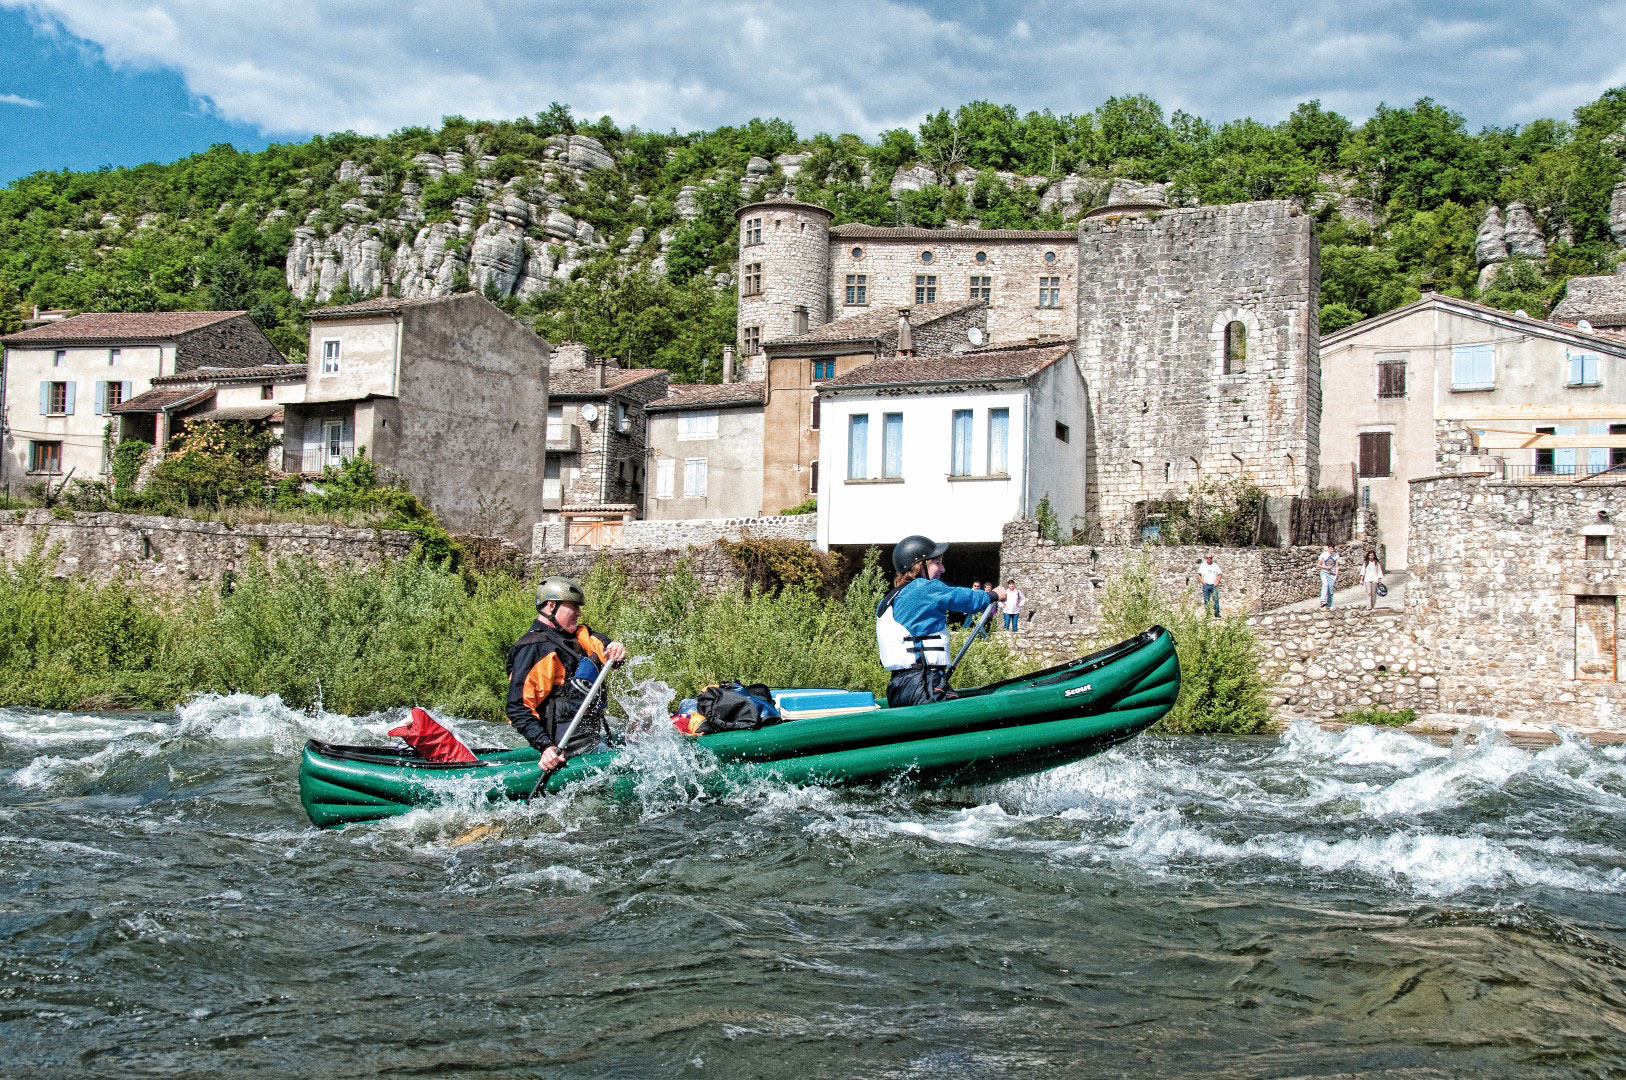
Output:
x=911 y=623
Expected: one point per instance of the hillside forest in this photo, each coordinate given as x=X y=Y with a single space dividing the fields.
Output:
x=1398 y=200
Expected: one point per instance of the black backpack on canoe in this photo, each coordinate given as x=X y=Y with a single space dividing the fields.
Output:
x=733 y=707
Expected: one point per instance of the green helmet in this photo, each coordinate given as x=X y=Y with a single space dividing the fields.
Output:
x=559 y=588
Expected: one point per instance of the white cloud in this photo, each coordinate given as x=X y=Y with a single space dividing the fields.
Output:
x=26 y=102
x=847 y=65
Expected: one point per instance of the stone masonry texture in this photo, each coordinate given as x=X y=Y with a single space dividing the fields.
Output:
x=681 y=535
x=1498 y=572
x=1156 y=292
x=176 y=556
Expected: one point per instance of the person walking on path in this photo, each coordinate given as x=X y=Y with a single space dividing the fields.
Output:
x=1012 y=609
x=1328 y=563
x=1371 y=577
x=1209 y=573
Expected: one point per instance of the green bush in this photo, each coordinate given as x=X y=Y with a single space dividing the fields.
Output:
x=1221 y=690
x=1380 y=717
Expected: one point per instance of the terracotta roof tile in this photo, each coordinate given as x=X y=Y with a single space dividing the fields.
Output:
x=116 y=326
x=261 y=373
x=712 y=395
x=988 y=365
x=162 y=399
x=874 y=325
x=877 y=232
x=580 y=383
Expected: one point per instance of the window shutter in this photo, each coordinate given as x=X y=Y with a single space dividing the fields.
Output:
x=45 y=399
x=101 y=398
x=69 y=409
x=349 y=436
x=124 y=386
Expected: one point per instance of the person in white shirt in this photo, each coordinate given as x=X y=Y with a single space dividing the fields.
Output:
x=1012 y=606
x=1209 y=573
x=1328 y=565
x=1371 y=577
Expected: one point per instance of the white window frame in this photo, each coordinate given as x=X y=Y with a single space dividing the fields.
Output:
x=331 y=356
x=332 y=454
x=113 y=357
x=665 y=477
x=696 y=425
x=1050 y=291
x=694 y=478
x=1473 y=353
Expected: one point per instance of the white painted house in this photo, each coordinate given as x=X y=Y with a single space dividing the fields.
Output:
x=951 y=446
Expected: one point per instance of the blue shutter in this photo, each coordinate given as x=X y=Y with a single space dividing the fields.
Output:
x=69 y=409
x=125 y=384
x=350 y=436
x=101 y=398
x=45 y=399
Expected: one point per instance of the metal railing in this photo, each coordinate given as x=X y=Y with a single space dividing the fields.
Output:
x=1560 y=473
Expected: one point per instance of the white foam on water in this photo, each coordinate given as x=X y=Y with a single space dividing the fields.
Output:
x=66 y=847
x=572 y=879
x=1304 y=742
x=63 y=727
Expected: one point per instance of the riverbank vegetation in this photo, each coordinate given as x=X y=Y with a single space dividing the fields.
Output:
x=413 y=632
x=1221 y=689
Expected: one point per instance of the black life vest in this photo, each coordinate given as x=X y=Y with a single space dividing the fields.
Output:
x=559 y=708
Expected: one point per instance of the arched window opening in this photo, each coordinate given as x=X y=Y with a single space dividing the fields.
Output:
x=1236 y=347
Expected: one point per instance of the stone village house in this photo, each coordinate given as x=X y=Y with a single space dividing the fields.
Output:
x=597 y=446
x=706 y=449
x=447 y=394
x=255 y=395
x=1422 y=388
x=63 y=378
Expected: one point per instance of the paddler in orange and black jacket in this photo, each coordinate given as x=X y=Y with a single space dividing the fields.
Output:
x=552 y=668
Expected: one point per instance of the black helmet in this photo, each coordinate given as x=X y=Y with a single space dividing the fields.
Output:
x=912 y=549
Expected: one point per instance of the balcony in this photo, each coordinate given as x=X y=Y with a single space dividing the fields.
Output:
x=564 y=440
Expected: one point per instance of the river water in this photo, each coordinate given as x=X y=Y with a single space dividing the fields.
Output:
x=1351 y=903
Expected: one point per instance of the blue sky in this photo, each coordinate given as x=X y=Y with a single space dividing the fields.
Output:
x=119 y=82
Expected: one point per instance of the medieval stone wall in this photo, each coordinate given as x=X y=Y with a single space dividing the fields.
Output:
x=1156 y=293
x=176 y=556
x=1515 y=592
x=645 y=568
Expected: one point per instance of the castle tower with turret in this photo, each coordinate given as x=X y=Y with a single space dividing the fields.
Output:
x=784 y=271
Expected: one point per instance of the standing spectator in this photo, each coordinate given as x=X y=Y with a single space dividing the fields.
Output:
x=1328 y=564
x=1208 y=572
x=1014 y=599
x=1371 y=577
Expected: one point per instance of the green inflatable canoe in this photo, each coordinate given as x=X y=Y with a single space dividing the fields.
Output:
x=1013 y=728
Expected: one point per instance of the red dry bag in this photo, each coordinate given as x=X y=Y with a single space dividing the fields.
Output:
x=432 y=741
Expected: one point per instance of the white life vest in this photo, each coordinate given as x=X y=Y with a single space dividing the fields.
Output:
x=900 y=649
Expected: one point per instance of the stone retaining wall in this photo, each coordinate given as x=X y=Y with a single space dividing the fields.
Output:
x=645 y=570
x=1322 y=664
x=646 y=535
x=1065 y=583
x=175 y=555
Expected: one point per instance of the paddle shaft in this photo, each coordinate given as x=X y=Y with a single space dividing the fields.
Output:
x=564 y=741
x=982 y=621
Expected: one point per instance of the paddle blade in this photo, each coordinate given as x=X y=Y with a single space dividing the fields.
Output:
x=432 y=741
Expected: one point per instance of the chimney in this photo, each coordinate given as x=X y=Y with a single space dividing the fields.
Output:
x=598 y=373
x=388 y=290
x=728 y=363
x=906 y=335
x=799 y=319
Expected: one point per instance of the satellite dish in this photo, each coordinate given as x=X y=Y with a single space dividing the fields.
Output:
x=1523 y=314
x=590 y=412
x=974 y=335
x=1584 y=326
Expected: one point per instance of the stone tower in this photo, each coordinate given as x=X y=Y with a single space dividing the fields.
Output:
x=784 y=271
x=1198 y=341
